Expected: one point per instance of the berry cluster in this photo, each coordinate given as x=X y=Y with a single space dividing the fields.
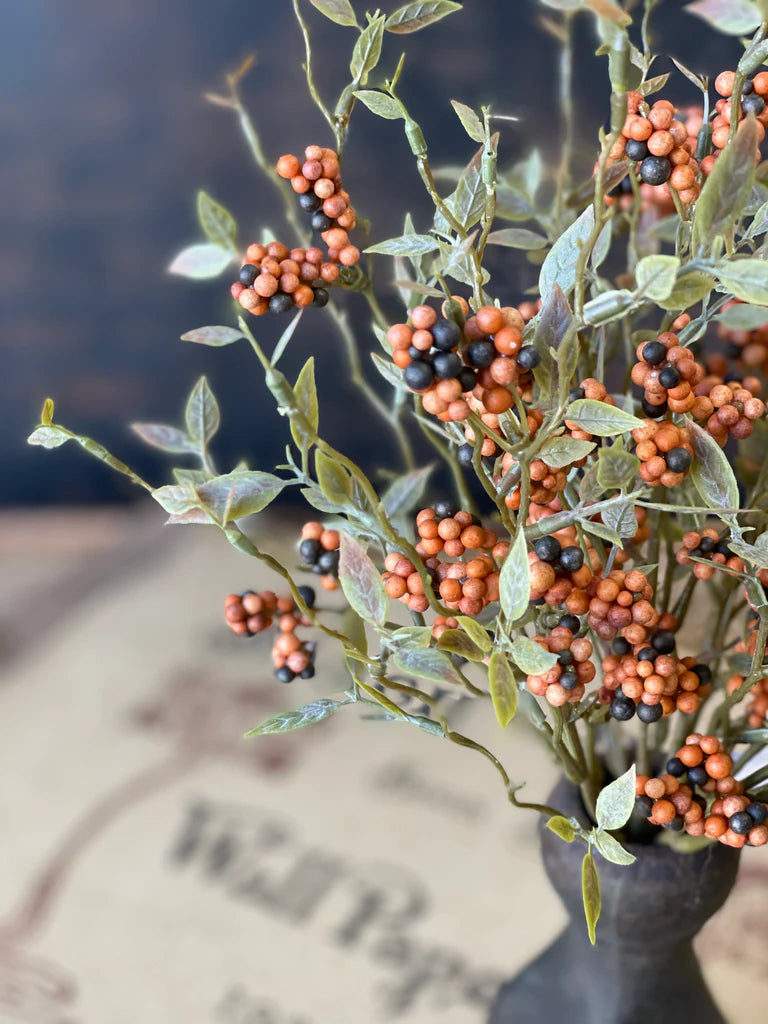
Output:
x=546 y=481
x=732 y=817
x=559 y=571
x=319 y=551
x=251 y=613
x=621 y=603
x=659 y=146
x=753 y=98
x=750 y=348
x=668 y=374
x=564 y=683
x=728 y=407
x=664 y=451
x=443 y=622
x=707 y=544
x=650 y=680
x=275 y=279
x=318 y=183
x=757 y=708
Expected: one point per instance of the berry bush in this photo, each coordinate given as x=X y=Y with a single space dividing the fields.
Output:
x=602 y=434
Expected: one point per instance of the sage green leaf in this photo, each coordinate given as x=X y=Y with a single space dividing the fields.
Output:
x=517 y=238
x=590 y=892
x=612 y=849
x=193 y=476
x=406 y=245
x=515 y=581
x=743 y=317
x=305 y=395
x=164 y=437
x=753 y=736
x=427 y=663
x=731 y=17
x=512 y=204
x=611 y=305
x=747 y=279
x=405 y=492
x=602 y=531
x=316 y=498
x=689 y=289
x=414 y=16
x=285 y=337
x=202 y=413
x=49 y=437
x=711 y=472
x=599 y=418
x=652 y=85
x=339 y=11
x=391 y=373
x=235 y=495
x=561 y=827
x=559 y=452
x=467 y=202
x=214 y=336
x=217 y=222
x=503 y=687
x=361 y=582
x=471 y=123
x=334 y=481
x=457 y=642
x=380 y=103
x=476 y=632
x=412 y=636
x=589 y=488
x=616 y=801
x=559 y=268
x=307 y=714
x=531 y=657
x=726 y=189
x=656 y=275
x=621 y=519
x=176 y=498
x=757 y=554
x=616 y=468
x=201 y=261
x=367 y=51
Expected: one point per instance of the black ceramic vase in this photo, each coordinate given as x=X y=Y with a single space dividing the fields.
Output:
x=643 y=969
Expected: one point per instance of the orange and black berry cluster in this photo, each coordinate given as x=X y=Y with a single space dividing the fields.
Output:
x=319 y=551
x=565 y=682
x=251 y=613
x=665 y=453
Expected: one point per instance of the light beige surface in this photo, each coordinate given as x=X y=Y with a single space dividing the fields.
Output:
x=157 y=868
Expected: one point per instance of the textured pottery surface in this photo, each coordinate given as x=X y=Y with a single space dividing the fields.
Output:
x=643 y=969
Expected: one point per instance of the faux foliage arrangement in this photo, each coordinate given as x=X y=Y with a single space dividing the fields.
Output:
x=605 y=437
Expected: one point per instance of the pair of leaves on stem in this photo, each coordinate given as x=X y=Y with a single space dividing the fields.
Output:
x=211 y=258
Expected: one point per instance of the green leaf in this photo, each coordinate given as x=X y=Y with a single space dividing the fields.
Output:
x=471 y=123
x=334 y=481
x=339 y=11
x=405 y=492
x=743 y=317
x=616 y=801
x=689 y=289
x=202 y=414
x=367 y=51
x=747 y=279
x=307 y=714
x=652 y=85
x=731 y=17
x=612 y=849
x=530 y=657
x=285 y=337
x=214 y=336
x=606 y=533
x=238 y=494
x=476 y=632
x=757 y=554
x=414 y=16
x=599 y=418
x=361 y=582
x=176 y=498
x=515 y=581
x=517 y=238
x=202 y=260
x=467 y=201
x=406 y=245
x=611 y=305
x=616 y=468
x=503 y=687
x=391 y=373
x=380 y=103
x=49 y=437
x=561 y=827
x=305 y=395
x=621 y=519
x=711 y=471
x=457 y=642
x=560 y=265
x=590 y=892
x=512 y=204
x=427 y=663
x=217 y=223
x=656 y=275
x=726 y=189
x=167 y=439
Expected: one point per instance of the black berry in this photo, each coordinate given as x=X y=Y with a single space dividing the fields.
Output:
x=480 y=353
x=547 y=548
x=741 y=823
x=655 y=170
x=564 y=658
x=669 y=377
x=280 y=302
x=445 y=510
x=248 y=274
x=697 y=775
x=654 y=412
x=664 y=642
x=309 y=550
x=467 y=378
x=307 y=595
x=753 y=104
x=569 y=680
x=285 y=675
x=622 y=709
x=704 y=672
x=446 y=365
x=636 y=150
x=418 y=376
x=575 y=394
x=570 y=622
x=464 y=454
x=320 y=222
x=675 y=767
x=649 y=712
x=328 y=561
x=528 y=357
x=654 y=353
x=679 y=460
x=646 y=654
x=308 y=672
x=446 y=334
x=758 y=813
x=571 y=559
x=321 y=297
x=620 y=646
x=309 y=202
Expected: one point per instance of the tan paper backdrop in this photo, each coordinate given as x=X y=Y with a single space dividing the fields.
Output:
x=157 y=868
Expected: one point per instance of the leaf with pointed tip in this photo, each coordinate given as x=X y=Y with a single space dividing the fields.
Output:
x=612 y=849
x=202 y=413
x=599 y=418
x=235 y=495
x=176 y=498
x=559 y=452
x=560 y=265
x=742 y=316
x=361 y=582
x=616 y=801
x=747 y=278
x=732 y=17
x=201 y=261
x=503 y=687
x=406 y=245
x=367 y=51
x=655 y=276
x=164 y=437
x=305 y=394
x=711 y=471
x=49 y=437
x=405 y=492
x=217 y=222
x=517 y=238
x=515 y=581
x=427 y=663
x=471 y=123
x=590 y=892
x=307 y=714
x=415 y=16
x=476 y=632
x=380 y=103
x=530 y=657
x=339 y=11
x=456 y=641
x=214 y=336
x=334 y=481
x=726 y=189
